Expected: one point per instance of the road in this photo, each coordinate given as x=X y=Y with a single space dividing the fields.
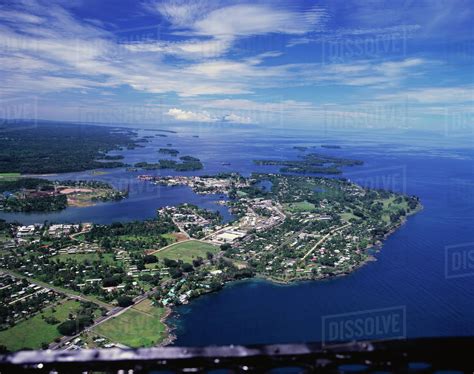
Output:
x=169 y=246
x=323 y=239
x=114 y=312
x=84 y=231
x=60 y=290
x=181 y=230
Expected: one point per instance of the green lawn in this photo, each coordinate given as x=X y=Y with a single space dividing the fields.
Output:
x=346 y=216
x=187 y=251
x=9 y=176
x=139 y=326
x=390 y=206
x=34 y=331
x=302 y=206
x=170 y=237
x=149 y=240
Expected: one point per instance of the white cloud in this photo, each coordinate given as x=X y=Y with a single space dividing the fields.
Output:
x=219 y=25
x=254 y=19
x=234 y=118
x=181 y=13
x=49 y=50
x=190 y=49
x=358 y=36
x=188 y=116
x=14 y=16
x=431 y=95
x=204 y=116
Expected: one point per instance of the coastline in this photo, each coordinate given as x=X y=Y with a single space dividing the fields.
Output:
x=170 y=337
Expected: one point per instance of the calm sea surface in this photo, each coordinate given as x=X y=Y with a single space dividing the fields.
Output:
x=414 y=271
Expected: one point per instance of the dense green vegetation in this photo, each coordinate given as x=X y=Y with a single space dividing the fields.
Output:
x=312 y=163
x=24 y=194
x=36 y=204
x=58 y=148
x=132 y=235
x=31 y=202
x=188 y=163
x=19 y=183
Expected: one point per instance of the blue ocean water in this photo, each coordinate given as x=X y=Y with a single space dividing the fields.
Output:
x=414 y=270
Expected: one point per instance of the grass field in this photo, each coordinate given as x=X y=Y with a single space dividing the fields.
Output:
x=9 y=176
x=302 y=206
x=139 y=326
x=390 y=206
x=346 y=216
x=187 y=251
x=35 y=331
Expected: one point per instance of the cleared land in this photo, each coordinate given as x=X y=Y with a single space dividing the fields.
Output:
x=139 y=326
x=32 y=332
x=9 y=176
x=187 y=251
x=302 y=206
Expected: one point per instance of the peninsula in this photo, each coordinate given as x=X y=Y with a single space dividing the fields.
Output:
x=118 y=279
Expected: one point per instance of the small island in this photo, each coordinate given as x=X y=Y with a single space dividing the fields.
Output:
x=188 y=163
x=312 y=163
x=300 y=148
x=169 y=151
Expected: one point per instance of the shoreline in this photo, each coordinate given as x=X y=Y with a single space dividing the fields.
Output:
x=170 y=338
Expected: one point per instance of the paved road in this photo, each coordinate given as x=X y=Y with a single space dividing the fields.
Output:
x=115 y=312
x=181 y=230
x=48 y=286
x=323 y=239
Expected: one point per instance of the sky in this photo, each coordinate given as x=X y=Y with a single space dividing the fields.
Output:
x=333 y=63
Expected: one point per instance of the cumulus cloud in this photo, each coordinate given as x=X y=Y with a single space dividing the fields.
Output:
x=188 y=116
x=234 y=118
x=204 y=116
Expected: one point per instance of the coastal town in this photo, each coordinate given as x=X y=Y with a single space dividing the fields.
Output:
x=124 y=276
